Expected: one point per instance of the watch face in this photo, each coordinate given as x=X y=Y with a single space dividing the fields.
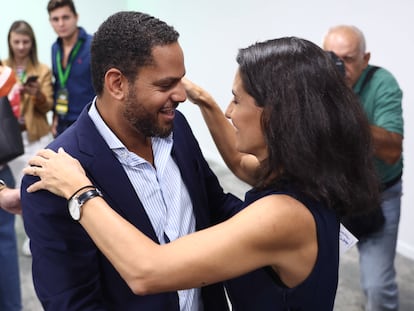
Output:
x=74 y=208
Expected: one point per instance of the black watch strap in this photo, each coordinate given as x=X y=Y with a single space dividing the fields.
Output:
x=90 y=194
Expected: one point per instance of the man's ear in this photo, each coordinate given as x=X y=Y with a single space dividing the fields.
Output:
x=367 y=57
x=116 y=84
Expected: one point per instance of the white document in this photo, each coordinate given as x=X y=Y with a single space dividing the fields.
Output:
x=346 y=240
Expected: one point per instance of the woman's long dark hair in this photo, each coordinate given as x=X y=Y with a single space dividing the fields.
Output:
x=317 y=134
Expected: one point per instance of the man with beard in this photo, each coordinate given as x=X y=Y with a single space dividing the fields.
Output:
x=142 y=156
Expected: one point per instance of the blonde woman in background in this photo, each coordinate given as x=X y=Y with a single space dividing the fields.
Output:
x=32 y=96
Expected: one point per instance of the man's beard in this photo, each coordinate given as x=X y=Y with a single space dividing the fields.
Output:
x=143 y=121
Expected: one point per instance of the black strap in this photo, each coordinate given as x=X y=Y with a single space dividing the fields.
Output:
x=368 y=77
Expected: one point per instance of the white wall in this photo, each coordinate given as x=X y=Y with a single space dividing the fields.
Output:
x=212 y=31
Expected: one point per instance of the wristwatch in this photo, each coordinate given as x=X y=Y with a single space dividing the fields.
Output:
x=2 y=184
x=75 y=203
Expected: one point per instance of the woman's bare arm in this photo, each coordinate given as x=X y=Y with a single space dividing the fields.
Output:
x=271 y=231
x=242 y=165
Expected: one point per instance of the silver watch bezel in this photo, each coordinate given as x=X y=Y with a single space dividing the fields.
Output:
x=3 y=184
x=74 y=207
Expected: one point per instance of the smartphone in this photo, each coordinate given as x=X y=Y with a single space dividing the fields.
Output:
x=31 y=79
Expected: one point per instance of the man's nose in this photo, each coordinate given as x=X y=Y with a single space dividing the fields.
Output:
x=179 y=94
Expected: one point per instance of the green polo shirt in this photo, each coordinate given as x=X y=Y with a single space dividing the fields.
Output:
x=381 y=99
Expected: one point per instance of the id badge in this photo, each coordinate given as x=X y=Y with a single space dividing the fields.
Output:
x=62 y=102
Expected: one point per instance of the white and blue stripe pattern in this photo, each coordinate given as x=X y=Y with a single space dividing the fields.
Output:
x=161 y=190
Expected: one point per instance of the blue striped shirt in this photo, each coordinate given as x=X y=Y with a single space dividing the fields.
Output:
x=161 y=190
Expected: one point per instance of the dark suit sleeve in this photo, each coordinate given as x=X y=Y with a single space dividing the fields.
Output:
x=65 y=262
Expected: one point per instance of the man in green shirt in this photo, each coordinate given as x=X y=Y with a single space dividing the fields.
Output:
x=381 y=98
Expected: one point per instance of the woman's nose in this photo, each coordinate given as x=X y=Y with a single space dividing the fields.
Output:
x=228 y=111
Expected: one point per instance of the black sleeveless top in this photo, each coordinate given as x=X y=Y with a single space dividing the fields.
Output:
x=262 y=290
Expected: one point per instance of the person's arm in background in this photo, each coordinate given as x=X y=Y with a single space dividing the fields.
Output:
x=242 y=165
x=10 y=199
x=387 y=145
x=387 y=130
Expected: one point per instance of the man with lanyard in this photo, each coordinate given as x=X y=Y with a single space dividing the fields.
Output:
x=71 y=65
x=381 y=98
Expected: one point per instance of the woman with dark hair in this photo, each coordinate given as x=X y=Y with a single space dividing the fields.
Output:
x=300 y=138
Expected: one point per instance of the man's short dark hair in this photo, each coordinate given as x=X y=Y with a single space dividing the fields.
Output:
x=55 y=4
x=125 y=41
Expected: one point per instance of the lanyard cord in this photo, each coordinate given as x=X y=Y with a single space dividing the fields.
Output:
x=64 y=75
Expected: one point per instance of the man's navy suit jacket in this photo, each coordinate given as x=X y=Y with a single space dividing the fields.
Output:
x=69 y=272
